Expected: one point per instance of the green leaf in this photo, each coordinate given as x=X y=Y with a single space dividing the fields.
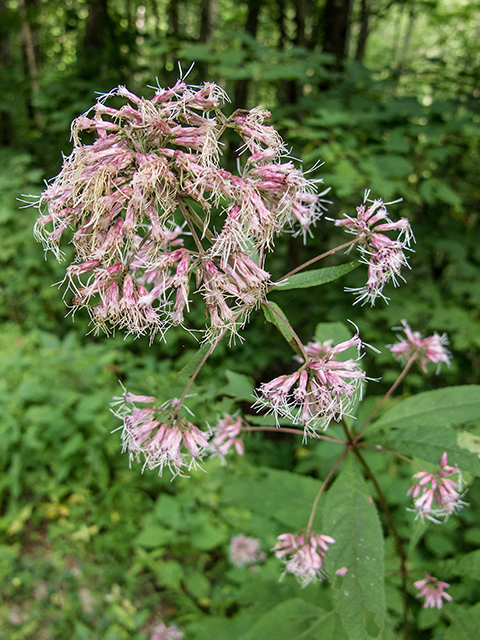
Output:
x=336 y=331
x=283 y=495
x=153 y=536
x=447 y=406
x=316 y=277
x=465 y=623
x=429 y=443
x=276 y=316
x=239 y=385
x=351 y=518
x=189 y=369
x=296 y=619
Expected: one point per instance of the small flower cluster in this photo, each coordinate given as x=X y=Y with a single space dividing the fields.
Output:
x=245 y=551
x=322 y=390
x=433 y=591
x=385 y=257
x=425 y=350
x=436 y=494
x=162 y=632
x=226 y=435
x=159 y=435
x=126 y=198
x=307 y=555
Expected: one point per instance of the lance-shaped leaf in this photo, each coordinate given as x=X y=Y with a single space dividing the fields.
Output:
x=429 y=443
x=351 y=518
x=276 y=316
x=190 y=368
x=316 y=277
x=296 y=619
x=451 y=405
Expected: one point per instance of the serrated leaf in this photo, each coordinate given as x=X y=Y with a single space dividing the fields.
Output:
x=450 y=405
x=316 y=277
x=189 y=369
x=283 y=495
x=350 y=517
x=296 y=619
x=465 y=623
x=429 y=443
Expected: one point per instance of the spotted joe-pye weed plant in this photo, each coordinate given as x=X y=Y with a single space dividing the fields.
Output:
x=158 y=225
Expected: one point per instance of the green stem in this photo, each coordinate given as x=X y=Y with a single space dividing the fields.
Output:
x=322 y=489
x=186 y=215
x=387 y=395
x=297 y=432
x=312 y=261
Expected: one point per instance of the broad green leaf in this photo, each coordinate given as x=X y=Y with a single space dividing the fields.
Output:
x=350 y=517
x=283 y=495
x=465 y=623
x=189 y=369
x=451 y=405
x=296 y=619
x=429 y=442
x=239 y=385
x=316 y=277
x=153 y=536
x=467 y=564
x=336 y=331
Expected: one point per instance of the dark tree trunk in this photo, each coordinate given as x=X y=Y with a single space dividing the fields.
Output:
x=99 y=53
x=300 y=18
x=173 y=20
x=363 y=33
x=207 y=20
x=251 y=26
x=30 y=59
x=7 y=136
x=282 y=33
x=335 y=29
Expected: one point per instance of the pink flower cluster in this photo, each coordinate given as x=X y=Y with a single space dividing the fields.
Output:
x=425 y=350
x=245 y=551
x=124 y=200
x=322 y=390
x=162 y=632
x=385 y=257
x=433 y=591
x=225 y=436
x=307 y=555
x=159 y=435
x=436 y=494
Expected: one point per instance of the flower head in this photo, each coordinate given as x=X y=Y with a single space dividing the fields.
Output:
x=433 y=591
x=162 y=632
x=307 y=553
x=245 y=550
x=436 y=494
x=122 y=197
x=430 y=349
x=225 y=436
x=385 y=257
x=159 y=435
x=323 y=389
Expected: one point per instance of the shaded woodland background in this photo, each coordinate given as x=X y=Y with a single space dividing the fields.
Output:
x=386 y=94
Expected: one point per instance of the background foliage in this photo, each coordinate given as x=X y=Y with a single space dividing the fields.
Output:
x=386 y=94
